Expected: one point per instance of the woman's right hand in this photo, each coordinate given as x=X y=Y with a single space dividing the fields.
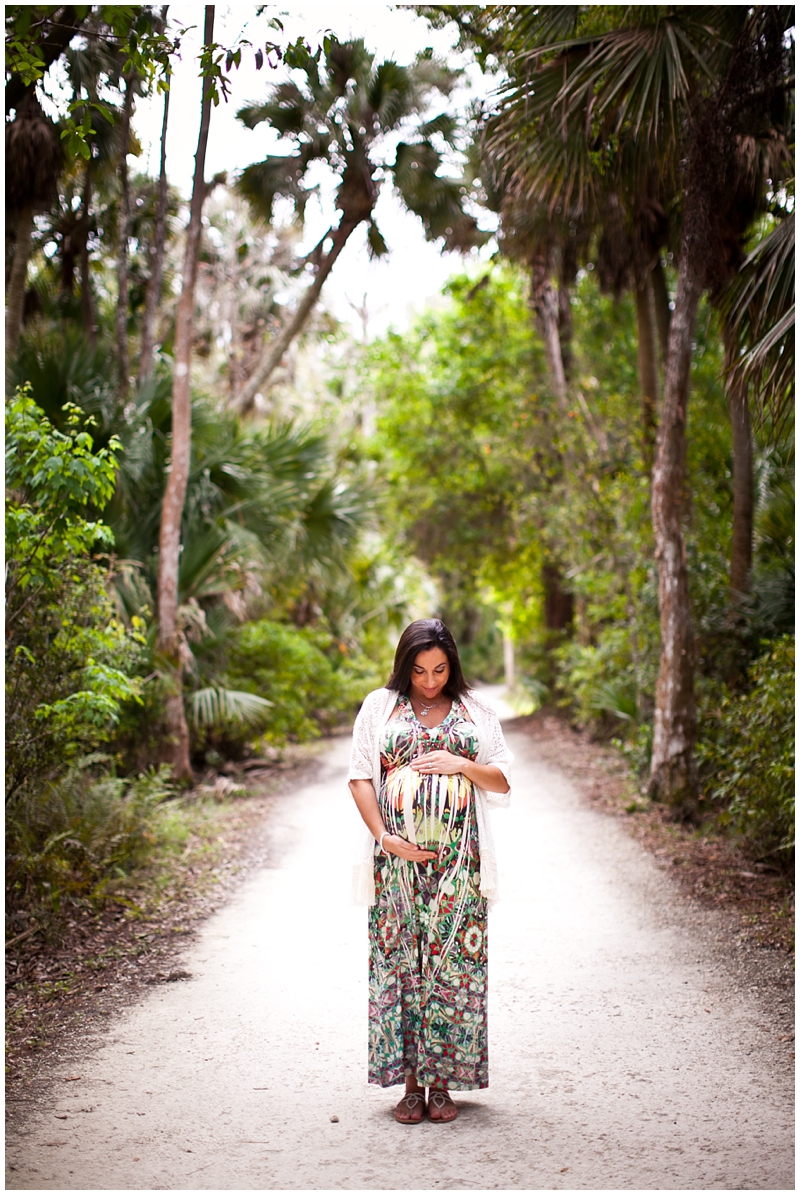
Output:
x=393 y=844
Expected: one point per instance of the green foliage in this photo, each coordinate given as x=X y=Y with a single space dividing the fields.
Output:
x=296 y=669
x=262 y=500
x=747 y=755
x=485 y=487
x=600 y=679
x=68 y=657
x=62 y=371
x=52 y=476
x=81 y=836
x=468 y=378
x=463 y=441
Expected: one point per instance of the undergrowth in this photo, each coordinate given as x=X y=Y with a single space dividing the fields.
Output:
x=93 y=842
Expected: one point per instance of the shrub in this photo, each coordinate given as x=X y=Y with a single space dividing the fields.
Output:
x=69 y=659
x=747 y=755
x=599 y=679
x=81 y=835
x=303 y=673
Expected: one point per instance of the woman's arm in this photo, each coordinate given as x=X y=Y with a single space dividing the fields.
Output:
x=367 y=804
x=444 y=763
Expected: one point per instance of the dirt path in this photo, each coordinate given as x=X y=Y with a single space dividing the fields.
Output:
x=627 y=1051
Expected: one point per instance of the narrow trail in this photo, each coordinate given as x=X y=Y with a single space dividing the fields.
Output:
x=621 y=1055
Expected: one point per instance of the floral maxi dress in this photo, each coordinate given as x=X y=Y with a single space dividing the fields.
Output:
x=427 y=928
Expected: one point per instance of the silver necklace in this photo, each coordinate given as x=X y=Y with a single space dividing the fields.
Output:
x=426 y=709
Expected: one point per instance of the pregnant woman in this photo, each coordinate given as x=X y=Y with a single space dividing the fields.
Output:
x=428 y=758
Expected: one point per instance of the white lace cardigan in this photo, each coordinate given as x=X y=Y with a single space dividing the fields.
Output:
x=365 y=764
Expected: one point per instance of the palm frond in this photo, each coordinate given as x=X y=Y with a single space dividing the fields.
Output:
x=331 y=518
x=212 y=706
x=596 y=106
x=389 y=93
x=435 y=198
x=445 y=125
x=375 y=241
x=616 y=699
x=761 y=307
x=202 y=562
x=346 y=62
x=286 y=110
x=546 y=24
x=261 y=183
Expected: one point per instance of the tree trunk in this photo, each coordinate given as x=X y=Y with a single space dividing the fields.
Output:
x=509 y=672
x=673 y=775
x=123 y=231
x=558 y=604
x=87 y=297
x=566 y=280
x=157 y=248
x=15 y=295
x=544 y=300
x=658 y=279
x=287 y=334
x=69 y=252
x=169 y=543
x=648 y=368
x=743 y=487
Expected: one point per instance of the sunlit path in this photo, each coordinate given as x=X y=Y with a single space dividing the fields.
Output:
x=618 y=1058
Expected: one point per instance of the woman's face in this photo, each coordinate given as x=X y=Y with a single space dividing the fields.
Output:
x=430 y=673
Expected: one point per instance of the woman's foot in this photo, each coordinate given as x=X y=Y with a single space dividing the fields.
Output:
x=411 y=1108
x=440 y=1106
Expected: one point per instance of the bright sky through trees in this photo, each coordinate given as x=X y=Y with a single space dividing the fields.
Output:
x=414 y=271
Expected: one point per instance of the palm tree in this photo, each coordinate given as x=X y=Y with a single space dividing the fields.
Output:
x=684 y=88
x=33 y=164
x=547 y=249
x=77 y=220
x=556 y=181
x=341 y=116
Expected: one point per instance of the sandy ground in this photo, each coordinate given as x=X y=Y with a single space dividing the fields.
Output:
x=626 y=1051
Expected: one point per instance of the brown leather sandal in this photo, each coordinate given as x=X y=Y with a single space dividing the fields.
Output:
x=413 y=1105
x=441 y=1103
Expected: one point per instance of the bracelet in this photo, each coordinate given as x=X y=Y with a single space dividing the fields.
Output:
x=385 y=834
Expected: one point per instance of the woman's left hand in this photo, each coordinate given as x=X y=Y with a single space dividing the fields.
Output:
x=439 y=763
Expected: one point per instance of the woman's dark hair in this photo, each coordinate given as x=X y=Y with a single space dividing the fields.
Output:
x=419 y=636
